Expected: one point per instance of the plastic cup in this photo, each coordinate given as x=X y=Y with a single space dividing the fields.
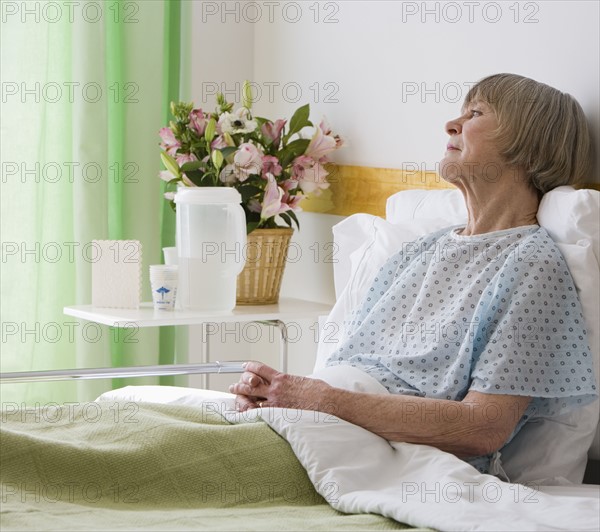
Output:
x=164 y=281
x=170 y=255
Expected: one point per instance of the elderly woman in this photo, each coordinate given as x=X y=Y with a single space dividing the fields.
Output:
x=518 y=345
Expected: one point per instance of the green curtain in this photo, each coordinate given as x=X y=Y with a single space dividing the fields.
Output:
x=85 y=88
x=171 y=68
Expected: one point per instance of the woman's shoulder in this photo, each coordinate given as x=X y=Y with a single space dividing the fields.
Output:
x=538 y=246
x=537 y=262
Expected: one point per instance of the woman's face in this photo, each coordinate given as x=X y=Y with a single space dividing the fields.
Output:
x=472 y=153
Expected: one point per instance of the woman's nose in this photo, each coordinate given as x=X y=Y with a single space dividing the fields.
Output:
x=453 y=127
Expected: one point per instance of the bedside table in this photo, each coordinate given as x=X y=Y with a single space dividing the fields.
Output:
x=287 y=310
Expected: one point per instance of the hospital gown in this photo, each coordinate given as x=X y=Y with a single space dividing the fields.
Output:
x=497 y=313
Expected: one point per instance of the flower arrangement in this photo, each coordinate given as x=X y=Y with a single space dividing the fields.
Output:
x=272 y=164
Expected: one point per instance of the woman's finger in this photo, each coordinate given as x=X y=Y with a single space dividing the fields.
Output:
x=251 y=378
x=266 y=373
x=242 y=388
x=243 y=403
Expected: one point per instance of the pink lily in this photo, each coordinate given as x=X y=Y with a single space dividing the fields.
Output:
x=300 y=163
x=247 y=161
x=165 y=175
x=271 y=165
x=320 y=145
x=288 y=199
x=310 y=174
x=272 y=131
x=289 y=184
x=272 y=205
x=218 y=143
x=293 y=201
x=324 y=125
x=183 y=158
x=169 y=143
x=198 y=121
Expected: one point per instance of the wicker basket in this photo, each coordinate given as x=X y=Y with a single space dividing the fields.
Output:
x=266 y=253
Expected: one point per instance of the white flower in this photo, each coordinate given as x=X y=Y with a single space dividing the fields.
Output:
x=237 y=122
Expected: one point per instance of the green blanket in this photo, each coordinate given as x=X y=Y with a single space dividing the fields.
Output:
x=148 y=466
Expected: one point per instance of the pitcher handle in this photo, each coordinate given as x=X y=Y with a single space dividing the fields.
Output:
x=242 y=237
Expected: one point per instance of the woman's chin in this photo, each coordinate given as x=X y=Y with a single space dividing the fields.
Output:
x=450 y=171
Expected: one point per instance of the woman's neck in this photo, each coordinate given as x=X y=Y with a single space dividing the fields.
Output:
x=495 y=207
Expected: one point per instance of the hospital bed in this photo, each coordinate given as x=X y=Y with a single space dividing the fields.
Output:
x=547 y=457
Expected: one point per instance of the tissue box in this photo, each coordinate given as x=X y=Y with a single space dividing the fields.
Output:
x=116 y=273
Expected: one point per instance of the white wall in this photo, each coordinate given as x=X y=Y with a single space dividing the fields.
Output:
x=378 y=54
x=387 y=75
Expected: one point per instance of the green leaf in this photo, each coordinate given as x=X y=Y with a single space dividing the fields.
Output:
x=260 y=121
x=284 y=216
x=228 y=151
x=196 y=177
x=291 y=151
x=192 y=165
x=208 y=180
x=298 y=121
x=251 y=226
x=197 y=144
x=248 y=191
x=170 y=164
x=292 y=215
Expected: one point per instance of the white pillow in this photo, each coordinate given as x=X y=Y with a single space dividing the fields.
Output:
x=363 y=244
x=411 y=205
x=570 y=217
x=360 y=231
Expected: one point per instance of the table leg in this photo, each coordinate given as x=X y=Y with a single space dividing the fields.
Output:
x=283 y=345
x=283 y=342
x=204 y=356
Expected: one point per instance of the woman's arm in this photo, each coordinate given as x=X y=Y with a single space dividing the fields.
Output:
x=478 y=425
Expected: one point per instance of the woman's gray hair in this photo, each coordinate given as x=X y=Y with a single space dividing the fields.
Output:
x=541 y=130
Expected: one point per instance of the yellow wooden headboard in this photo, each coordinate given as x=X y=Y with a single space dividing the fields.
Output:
x=366 y=189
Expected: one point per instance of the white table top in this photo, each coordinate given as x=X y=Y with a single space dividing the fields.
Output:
x=287 y=309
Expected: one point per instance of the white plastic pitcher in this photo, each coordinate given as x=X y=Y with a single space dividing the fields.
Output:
x=211 y=241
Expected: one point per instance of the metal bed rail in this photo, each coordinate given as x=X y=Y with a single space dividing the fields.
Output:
x=133 y=371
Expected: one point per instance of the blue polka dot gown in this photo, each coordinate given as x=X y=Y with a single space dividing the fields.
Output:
x=496 y=313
